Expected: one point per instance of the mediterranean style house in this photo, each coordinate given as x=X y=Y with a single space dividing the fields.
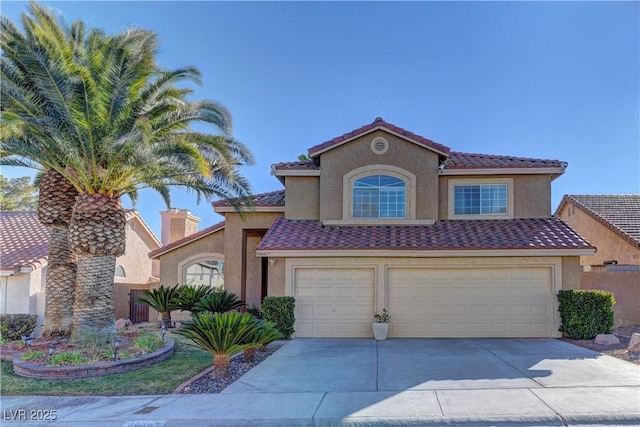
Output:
x=451 y=244
x=23 y=261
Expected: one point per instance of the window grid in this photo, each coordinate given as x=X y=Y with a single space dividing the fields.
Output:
x=208 y=272
x=483 y=199
x=379 y=196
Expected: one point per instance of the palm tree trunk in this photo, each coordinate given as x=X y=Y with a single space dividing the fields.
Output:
x=55 y=205
x=97 y=236
x=221 y=363
x=166 y=319
x=61 y=284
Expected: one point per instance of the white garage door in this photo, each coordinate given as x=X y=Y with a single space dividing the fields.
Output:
x=333 y=302
x=471 y=302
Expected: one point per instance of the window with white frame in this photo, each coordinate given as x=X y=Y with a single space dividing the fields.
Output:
x=206 y=272
x=379 y=196
x=481 y=199
x=120 y=271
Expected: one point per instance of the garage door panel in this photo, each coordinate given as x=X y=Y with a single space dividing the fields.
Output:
x=334 y=302
x=470 y=302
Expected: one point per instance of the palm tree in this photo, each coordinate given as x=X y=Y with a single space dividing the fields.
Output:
x=163 y=300
x=189 y=295
x=100 y=113
x=223 y=335
x=218 y=301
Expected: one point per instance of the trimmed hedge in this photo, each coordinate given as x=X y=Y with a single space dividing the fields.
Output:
x=586 y=313
x=13 y=326
x=280 y=311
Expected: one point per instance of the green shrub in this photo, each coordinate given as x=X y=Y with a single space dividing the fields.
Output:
x=586 y=313
x=13 y=326
x=280 y=311
x=189 y=295
x=162 y=300
x=219 y=301
x=72 y=358
x=148 y=342
x=32 y=355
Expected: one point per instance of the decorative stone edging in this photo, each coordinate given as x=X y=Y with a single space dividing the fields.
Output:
x=31 y=370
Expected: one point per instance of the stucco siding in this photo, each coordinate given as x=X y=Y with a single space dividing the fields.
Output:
x=122 y=298
x=571 y=271
x=302 y=197
x=170 y=271
x=531 y=194
x=341 y=160
x=609 y=245
x=233 y=246
x=136 y=262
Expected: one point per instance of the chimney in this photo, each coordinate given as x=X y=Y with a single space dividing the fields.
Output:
x=176 y=224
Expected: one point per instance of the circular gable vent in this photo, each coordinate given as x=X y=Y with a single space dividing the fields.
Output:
x=379 y=145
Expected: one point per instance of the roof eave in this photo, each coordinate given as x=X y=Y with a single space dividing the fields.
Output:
x=248 y=209
x=161 y=252
x=556 y=171
x=448 y=253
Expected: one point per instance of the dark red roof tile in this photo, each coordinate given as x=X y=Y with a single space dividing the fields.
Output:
x=458 y=160
x=300 y=165
x=24 y=240
x=379 y=123
x=549 y=233
x=273 y=198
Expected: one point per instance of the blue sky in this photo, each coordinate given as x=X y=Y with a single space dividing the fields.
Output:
x=553 y=80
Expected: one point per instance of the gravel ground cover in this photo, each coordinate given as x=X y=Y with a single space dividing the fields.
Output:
x=209 y=384
x=619 y=350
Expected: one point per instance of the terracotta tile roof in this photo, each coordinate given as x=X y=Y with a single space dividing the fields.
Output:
x=188 y=239
x=300 y=165
x=24 y=241
x=273 y=198
x=618 y=212
x=458 y=160
x=551 y=233
x=378 y=123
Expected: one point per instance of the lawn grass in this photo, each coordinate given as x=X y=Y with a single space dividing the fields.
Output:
x=160 y=378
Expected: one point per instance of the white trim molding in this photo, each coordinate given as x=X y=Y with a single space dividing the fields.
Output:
x=347 y=192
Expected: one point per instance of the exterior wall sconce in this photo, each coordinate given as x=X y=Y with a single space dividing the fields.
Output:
x=272 y=261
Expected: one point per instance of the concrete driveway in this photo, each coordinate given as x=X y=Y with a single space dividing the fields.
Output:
x=348 y=365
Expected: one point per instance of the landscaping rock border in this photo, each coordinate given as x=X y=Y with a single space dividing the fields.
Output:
x=31 y=370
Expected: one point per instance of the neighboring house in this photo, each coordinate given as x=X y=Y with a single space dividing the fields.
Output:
x=612 y=224
x=452 y=244
x=24 y=245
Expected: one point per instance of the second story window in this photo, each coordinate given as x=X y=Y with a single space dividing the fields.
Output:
x=483 y=199
x=379 y=196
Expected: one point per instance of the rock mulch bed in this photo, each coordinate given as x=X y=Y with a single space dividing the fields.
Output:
x=210 y=385
x=619 y=350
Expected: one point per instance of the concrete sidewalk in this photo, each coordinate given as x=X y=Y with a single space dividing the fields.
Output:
x=395 y=382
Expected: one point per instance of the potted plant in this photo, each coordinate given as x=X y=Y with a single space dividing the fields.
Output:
x=381 y=325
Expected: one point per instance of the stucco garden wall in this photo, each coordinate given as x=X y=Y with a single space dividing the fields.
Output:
x=625 y=286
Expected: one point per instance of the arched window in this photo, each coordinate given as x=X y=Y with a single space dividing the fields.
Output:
x=206 y=272
x=379 y=196
x=120 y=271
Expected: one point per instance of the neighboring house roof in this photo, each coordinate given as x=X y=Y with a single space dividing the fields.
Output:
x=24 y=242
x=472 y=235
x=273 y=199
x=618 y=212
x=297 y=166
x=186 y=240
x=378 y=123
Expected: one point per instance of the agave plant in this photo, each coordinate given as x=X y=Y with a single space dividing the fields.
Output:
x=219 y=301
x=222 y=335
x=263 y=336
x=189 y=296
x=163 y=300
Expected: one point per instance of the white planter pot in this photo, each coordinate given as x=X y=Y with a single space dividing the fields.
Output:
x=380 y=331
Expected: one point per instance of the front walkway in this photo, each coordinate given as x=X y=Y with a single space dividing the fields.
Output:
x=322 y=382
